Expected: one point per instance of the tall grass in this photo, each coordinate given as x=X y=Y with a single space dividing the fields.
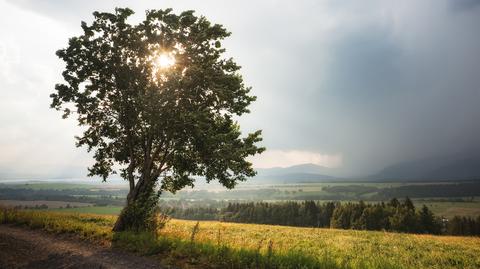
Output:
x=192 y=244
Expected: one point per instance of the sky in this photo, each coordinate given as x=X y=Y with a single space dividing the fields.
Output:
x=351 y=85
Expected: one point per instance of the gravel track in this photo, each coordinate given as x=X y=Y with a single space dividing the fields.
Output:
x=23 y=248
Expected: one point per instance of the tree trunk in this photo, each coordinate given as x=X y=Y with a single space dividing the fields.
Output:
x=139 y=204
x=120 y=223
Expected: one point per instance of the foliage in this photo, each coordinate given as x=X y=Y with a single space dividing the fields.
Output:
x=447 y=189
x=464 y=226
x=171 y=123
x=393 y=216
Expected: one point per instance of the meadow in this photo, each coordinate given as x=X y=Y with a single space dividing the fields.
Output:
x=50 y=204
x=212 y=244
x=450 y=209
x=101 y=210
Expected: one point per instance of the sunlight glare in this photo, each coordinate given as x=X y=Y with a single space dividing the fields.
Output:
x=165 y=61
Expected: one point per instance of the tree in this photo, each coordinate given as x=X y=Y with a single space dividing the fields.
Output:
x=341 y=216
x=394 y=203
x=158 y=102
x=456 y=226
x=427 y=221
x=408 y=204
x=403 y=220
x=311 y=214
x=373 y=218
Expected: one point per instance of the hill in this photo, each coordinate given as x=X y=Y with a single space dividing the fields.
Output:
x=296 y=174
x=458 y=167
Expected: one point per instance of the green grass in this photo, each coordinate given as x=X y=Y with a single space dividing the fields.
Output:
x=450 y=209
x=50 y=186
x=38 y=185
x=230 y=245
x=100 y=210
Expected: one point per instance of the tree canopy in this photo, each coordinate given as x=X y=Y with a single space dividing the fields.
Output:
x=158 y=100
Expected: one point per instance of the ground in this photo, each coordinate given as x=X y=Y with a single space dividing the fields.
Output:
x=23 y=248
x=213 y=244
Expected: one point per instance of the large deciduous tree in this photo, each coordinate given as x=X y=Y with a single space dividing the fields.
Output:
x=158 y=102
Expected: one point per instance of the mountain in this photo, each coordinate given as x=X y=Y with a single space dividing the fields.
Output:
x=458 y=167
x=295 y=174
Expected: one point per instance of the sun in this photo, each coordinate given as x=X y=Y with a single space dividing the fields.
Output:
x=164 y=61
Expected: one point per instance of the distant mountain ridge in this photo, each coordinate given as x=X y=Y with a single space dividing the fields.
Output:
x=295 y=174
x=459 y=167
x=452 y=167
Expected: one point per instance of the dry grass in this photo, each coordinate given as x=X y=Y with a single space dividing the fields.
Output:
x=346 y=247
x=229 y=245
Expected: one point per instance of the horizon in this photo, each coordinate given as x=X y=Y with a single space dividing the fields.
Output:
x=240 y=134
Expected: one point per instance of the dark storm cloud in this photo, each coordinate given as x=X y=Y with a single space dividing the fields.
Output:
x=377 y=82
x=383 y=90
x=464 y=5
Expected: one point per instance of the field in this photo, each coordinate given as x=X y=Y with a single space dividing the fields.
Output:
x=62 y=185
x=49 y=185
x=345 y=247
x=108 y=198
x=50 y=204
x=451 y=209
x=101 y=210
x=227 y=245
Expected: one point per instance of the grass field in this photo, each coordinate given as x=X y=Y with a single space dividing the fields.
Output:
x=50 y=204
x=50 y=186
x=451 y=209
x=34 y=185
x=100 y=210
x=228 y=245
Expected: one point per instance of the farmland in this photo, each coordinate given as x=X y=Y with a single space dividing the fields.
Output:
x=39 y=203
x=109 y=198
x=249 y=245
x=446 y=209
x=101 y=210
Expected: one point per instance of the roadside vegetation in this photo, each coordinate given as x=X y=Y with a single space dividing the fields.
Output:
x=213 y=244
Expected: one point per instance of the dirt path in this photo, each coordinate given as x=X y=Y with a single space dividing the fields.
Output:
x=22 y=248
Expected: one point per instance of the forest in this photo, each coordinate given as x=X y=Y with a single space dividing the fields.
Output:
x=395 y=215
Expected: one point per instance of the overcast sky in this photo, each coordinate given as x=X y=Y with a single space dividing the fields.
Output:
x=356 y=85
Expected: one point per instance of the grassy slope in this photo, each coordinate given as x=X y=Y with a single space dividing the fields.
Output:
x=355 y=248
x=231 y=245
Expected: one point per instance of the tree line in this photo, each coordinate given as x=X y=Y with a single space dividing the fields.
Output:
x=98 y=197
x=464 y=189
x=395 y=215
